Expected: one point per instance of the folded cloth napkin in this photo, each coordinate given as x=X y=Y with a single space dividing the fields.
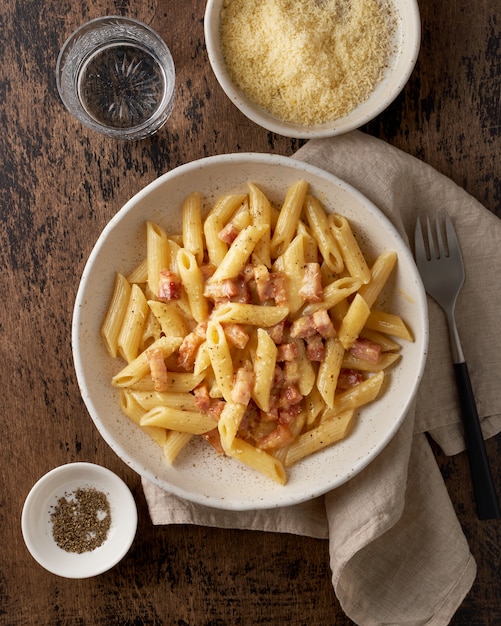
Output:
x=397 y=551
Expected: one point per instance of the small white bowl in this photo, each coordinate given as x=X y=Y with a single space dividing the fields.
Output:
x=37 y=525
x=407 y=40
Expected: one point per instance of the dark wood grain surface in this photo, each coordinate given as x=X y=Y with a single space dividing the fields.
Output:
x=61 y=183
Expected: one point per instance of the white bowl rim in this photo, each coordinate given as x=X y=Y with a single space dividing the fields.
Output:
x=289 y=129
x=256 y=503
x=35 y=533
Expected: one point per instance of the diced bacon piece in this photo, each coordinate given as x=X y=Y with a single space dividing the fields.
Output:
x=276 y=332
x=228 y=233
x=242 y=386
x=323 y=323
x=348 y=378
x=212 y=437
x=201 y=329
x=308 y=325
x=278 y=438
x=216 y=408
x=288 y=415
x=158 y=369
x=291 y=371
x=236 y=335
x=311 y=287
x=366 y=349
x=303 y=327
x=279 y=293
x=206 y=404
x=278 y=377
x=202 y=398
x=289 y=396
x=249 y=421
x=207 y=270
x=242 y=292
x=169 y=286
x=315 y=349
x=222 y=290
x=264 y=284
x=287 y=352
x=274 y=401
x=268 y=416
x=247 y=272
x=188 y=350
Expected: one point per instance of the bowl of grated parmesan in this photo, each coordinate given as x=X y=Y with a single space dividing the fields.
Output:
x=312 y=68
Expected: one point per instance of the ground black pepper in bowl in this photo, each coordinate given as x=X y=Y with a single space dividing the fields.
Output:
x=81 y=520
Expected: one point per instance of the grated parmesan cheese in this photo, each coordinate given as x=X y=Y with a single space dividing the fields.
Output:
x=306 y=61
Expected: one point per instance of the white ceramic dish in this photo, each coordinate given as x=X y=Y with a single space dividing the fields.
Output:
x=37 y=526
x=407 y=40
x=198 y=474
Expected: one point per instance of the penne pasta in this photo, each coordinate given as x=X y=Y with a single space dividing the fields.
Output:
x=117 y=308
x=139 y=367
x=257 y=459
x=327 y=433
x=253 y=314
x=239 y=252
x=171 y=418
x=334 y=293
x=133 y=324
x=329 y=369
x=157 y=254
x=151 y=331
x=226 y=205
x=264 y=368
x=178 y=382
x=139 y=274
x=220 y=358
x=354 y=260
x=260 y=211
x=150 y=399
x=357 y=396
x=292 y=263
x=353 y=322
x=191 y=277
x=306 y=372
x=214 y=223
x=174 y=443
x=135 y=412
x=254 y=330
x=385 y=361
x=388 y=323
x=328 y=245
x=380 y=272
x=229 y=422
x=193 y=240
x=288 y=218
x=170 y=317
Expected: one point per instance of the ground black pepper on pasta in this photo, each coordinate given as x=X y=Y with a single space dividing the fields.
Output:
x=81 y=520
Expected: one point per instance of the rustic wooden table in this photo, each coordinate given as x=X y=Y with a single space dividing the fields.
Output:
x=61 y=183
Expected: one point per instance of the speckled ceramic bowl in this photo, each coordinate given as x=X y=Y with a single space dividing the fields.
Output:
x=405 y=50
x=199 y=474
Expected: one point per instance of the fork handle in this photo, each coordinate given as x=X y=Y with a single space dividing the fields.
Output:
x=483 y=485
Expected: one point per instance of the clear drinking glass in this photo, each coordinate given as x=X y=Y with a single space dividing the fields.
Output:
x=116 y=75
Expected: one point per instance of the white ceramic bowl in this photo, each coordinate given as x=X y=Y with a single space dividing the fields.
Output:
x=407 y=40
x=199 y=474
x=39 y=506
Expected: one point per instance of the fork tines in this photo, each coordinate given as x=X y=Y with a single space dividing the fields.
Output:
x=434 y=246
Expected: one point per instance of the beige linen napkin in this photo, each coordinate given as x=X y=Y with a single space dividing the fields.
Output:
x=397 y=552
